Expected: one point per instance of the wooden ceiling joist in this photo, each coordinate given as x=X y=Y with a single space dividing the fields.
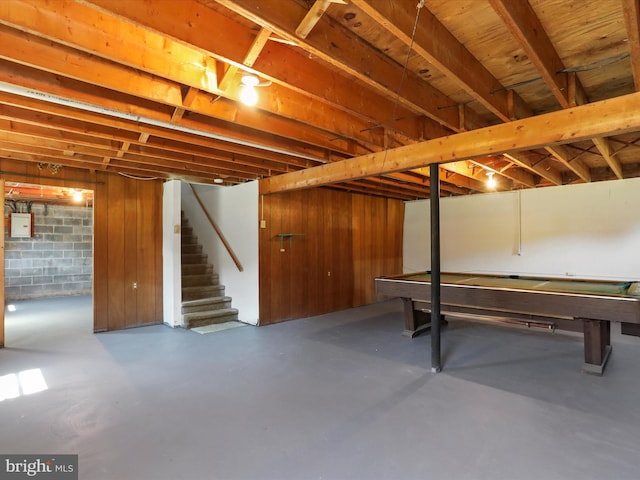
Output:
x=434 y=45
x=114 y=76
x=313 y=16
x=278 y=63
x=151 y=88
x=333 y=46
x=524 y=25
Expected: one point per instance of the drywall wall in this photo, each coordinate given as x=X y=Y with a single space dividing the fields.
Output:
x=235 y=211
x=171 y=261
x=587 y=230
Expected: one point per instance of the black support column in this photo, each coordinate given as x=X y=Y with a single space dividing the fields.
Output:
x=434 y=180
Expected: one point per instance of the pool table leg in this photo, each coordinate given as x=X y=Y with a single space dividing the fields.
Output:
x=597 y=345
x=417 y=319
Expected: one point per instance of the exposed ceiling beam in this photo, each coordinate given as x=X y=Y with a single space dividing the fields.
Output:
x=347 y=52
x=276 y=62
x=574 y=124
x=605 y=149
x=160 y=87
x=524 y=25
x=547 y=172
x=314 y=15
x=281 y=130
x=448 y=185
x=229 y=76
x=562 y=155
x=508 y=170
x=56 y=122
x=434 y=43
x=116 y=39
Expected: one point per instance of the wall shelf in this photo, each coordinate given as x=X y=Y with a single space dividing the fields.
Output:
x=290 y=236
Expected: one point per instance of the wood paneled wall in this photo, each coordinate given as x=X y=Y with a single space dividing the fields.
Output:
x=128 y=253
x=345 y=240
x=127 y=241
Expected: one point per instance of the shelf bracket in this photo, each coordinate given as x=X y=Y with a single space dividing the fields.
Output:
x=289 y=236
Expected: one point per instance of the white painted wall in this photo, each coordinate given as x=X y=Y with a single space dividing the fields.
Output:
x=171 y=274
x=235 y=211
x=587 y=230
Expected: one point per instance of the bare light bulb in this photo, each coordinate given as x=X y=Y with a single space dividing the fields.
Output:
x=491 y=182
x=248 y=95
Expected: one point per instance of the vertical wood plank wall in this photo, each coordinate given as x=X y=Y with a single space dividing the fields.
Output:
x=128 y=253
x=346 y=241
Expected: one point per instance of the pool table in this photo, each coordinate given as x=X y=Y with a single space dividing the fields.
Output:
x=586 y=306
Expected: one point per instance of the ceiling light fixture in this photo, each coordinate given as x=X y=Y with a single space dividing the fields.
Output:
x=248 y=93
x=491 y=182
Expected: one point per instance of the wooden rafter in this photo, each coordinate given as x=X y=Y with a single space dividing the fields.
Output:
x=249 y=59
x=506 y=169
x=313 y=16
x=434 y=44
x=448 y=185
x=140 y=87
x=547 y=172
x=54 y=131
x=525 y=26
x=115 y=76
x=279 y=63
x=372 y=69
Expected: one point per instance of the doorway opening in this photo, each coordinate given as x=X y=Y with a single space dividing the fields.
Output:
x=48 y=251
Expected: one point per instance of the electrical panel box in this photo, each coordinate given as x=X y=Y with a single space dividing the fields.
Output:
x=21 y=225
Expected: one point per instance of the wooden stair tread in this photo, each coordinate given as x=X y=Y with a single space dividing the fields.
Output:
x=210 y=313
x=205 y=301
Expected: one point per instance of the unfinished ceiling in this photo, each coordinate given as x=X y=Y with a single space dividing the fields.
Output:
x=151 y=88
x=28 y=193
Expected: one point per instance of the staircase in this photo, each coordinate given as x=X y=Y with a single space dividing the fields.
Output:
x=203 y=298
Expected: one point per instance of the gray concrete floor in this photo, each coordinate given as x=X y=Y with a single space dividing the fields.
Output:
x=340 y=396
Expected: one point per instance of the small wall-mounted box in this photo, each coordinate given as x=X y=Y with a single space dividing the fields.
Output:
x=21 y=225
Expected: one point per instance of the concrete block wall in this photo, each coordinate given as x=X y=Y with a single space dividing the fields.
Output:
x=57 y=260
